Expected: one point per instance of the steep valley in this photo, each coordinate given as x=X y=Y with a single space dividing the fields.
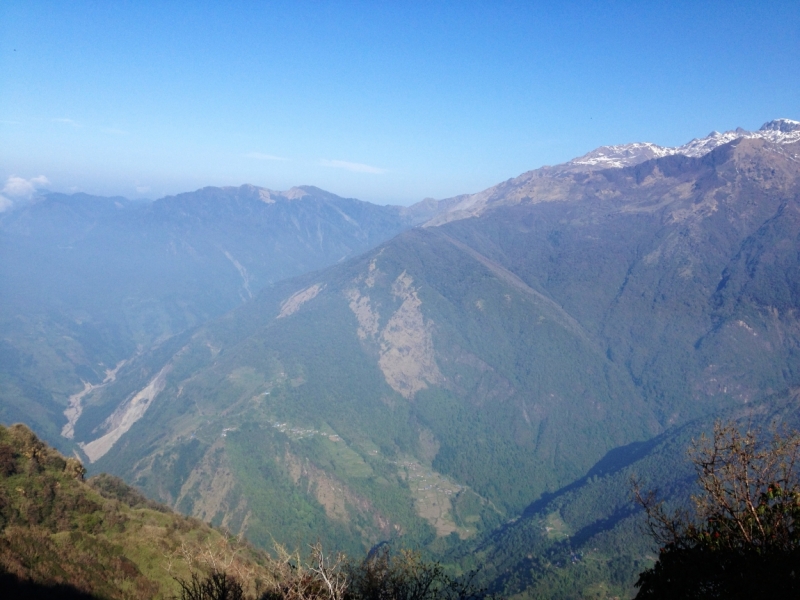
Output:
x=89 y=282
x=484 y=385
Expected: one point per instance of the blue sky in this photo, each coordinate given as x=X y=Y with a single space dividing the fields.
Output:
x=383 y=101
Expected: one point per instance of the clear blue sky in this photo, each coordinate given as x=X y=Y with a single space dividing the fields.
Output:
x=384 y=101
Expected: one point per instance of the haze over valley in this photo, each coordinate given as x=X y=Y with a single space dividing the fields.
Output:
x=477 y=376
x=399 y=301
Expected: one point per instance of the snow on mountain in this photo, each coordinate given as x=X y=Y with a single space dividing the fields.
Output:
x=779 y=131
x=555 y=182
x=622 y=155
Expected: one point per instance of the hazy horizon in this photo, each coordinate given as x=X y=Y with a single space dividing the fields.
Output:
x=386 y=103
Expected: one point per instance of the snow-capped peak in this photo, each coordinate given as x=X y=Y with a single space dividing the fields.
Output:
x=779 y=131
x=783 y=125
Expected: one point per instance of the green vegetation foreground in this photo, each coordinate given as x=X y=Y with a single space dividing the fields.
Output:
x=742 y=537
x=61 y=536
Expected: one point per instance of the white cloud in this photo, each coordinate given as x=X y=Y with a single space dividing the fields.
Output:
x=142 y=189
x=19 y=188
x=66 y=122
x=262 y=156
x=351 y=166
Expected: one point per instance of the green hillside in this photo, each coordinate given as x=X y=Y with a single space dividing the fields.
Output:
x=588 y=539
x=436 y=386
x=485 y=386
x=99 y=537
x=89 y=283
x=307 y=404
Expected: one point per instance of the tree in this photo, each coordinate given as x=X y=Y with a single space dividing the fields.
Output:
x=321 y=577
x=217 y=585
x=742 y=537
x=405 y=576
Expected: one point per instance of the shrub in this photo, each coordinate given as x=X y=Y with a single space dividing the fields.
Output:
x=8 y=461
x=742 y=540
x=217 y=585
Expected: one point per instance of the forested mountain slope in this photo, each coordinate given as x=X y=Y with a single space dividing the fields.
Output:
x=589 y=538
x=87 y=283
x=488 y=365
x=684 y=270
x=439 y=384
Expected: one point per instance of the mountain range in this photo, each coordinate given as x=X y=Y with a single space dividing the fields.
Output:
x=477 y=376
x=90 y=282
